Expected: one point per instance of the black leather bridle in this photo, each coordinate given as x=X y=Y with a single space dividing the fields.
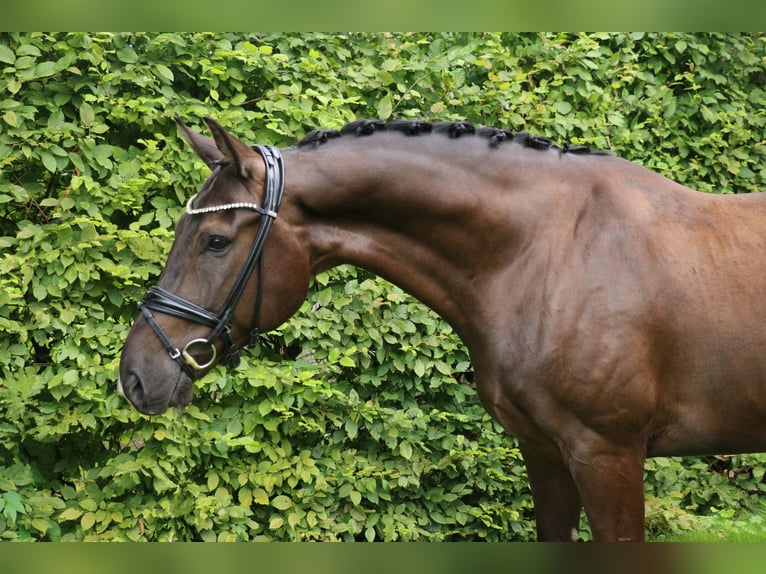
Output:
x=162 y=301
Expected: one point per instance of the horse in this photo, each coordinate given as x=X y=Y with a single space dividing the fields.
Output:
x=610 y=313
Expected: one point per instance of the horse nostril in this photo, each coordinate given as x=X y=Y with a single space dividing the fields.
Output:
x=133 y=390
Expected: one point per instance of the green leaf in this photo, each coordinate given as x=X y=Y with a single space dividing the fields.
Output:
x=260 y=496
x=193 y=411
x=345 y=490
x=276 y=523
x=563 y=107
x=70 y=514
x=41 y=525
x=165 y=73
x=70 y=377
x=127 y=55
x=28 y=230
x=101 y=154
x=45 y=69
x=245 y=496
x=385 y=107
x=293 y=519
x=88 y=520
x=87 y=116
x=670 y=109
x=40 y=292
x=708 y=115
x=6 y=55
x=49 y=162
x=352 y=428
x=9 y=117
x=28 y=49
x=12 y=505
x=281 y=502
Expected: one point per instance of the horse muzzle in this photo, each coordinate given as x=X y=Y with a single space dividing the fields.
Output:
x=134 y=388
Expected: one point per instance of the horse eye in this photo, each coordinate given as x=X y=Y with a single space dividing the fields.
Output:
x=217 y=243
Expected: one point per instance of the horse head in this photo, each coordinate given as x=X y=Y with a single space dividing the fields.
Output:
x=223 y=281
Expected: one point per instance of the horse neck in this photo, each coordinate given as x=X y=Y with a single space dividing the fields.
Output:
x=432 y=219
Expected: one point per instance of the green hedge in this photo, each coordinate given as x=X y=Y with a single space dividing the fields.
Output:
x=357 y=420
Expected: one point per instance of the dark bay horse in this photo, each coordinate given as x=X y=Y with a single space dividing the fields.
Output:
x=610 y=313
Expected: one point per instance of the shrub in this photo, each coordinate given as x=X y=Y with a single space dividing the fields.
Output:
x=357 y=419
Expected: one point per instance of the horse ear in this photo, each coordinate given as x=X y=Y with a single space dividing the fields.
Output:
x=203 y=146
x=235 y=151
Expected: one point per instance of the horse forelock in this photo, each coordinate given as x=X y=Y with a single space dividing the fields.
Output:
x=453 y=130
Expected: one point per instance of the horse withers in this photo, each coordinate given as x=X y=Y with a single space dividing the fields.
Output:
x=610 y=313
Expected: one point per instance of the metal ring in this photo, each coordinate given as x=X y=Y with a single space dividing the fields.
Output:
x=191 y=361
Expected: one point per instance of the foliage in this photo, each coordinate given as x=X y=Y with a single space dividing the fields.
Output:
x=357 y=419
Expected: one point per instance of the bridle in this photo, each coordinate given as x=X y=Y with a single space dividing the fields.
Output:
x=163 y=301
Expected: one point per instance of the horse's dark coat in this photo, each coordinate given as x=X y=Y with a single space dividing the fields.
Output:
x=611 y=314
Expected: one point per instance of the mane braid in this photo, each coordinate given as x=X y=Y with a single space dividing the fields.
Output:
x=363 y=127
x=410 y=127
x=453 y=130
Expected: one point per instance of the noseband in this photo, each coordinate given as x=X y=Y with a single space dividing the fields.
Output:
x=163 y=301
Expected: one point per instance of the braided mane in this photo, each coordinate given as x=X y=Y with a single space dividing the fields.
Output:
x=453 y=130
